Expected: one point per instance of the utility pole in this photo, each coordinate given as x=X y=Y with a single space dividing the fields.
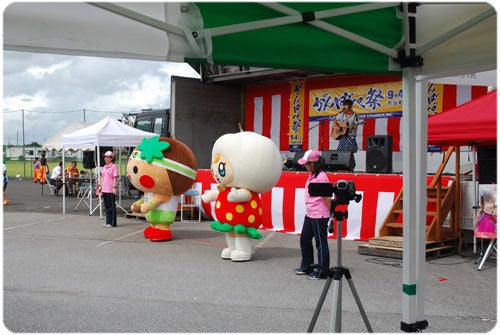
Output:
x=24 y=149
x=84 y=115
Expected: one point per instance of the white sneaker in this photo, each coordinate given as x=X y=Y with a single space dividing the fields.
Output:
x=104 y=224
x=108 y=226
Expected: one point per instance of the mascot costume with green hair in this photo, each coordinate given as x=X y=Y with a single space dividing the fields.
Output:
x=244 y=164
x=163 y=168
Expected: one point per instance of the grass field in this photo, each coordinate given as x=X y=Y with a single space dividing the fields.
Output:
x=25 y=168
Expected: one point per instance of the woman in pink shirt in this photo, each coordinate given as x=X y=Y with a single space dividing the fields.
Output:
x=316 y=220
x=109 y=176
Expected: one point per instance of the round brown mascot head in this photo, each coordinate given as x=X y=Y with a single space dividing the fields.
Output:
x=162 y=165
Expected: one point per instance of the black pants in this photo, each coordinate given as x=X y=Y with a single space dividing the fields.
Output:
x=110 y=208
x=317 y=229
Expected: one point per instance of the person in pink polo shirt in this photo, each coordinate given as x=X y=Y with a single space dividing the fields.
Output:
x=109 y=177
x=316 y=220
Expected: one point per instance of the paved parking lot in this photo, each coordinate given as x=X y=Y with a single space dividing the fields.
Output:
x=65 y=273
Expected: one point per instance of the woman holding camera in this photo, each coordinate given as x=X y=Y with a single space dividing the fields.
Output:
x=316 y=220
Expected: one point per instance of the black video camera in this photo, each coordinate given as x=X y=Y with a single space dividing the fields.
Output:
x=344 y=191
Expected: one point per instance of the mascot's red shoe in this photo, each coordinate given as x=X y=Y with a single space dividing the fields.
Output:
x=147 y=231
x=159 y=235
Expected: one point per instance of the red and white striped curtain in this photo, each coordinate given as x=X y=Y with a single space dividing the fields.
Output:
x=268 y=113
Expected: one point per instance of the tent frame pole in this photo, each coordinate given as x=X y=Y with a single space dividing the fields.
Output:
x=297 y=17
x=414 y=180
x=63 y=180
x=138 y=17
x=414 y=200
x=455 y=31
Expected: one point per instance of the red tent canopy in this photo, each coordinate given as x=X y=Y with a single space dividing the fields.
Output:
x=472 y=122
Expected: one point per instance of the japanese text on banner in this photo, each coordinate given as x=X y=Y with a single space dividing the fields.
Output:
x=380 y=98
x=297 y=110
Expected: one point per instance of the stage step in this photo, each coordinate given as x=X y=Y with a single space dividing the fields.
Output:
x=392 y=247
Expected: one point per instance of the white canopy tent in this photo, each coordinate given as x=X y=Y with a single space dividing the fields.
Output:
x=55 y=142
x=107 y=132
x=437 y=40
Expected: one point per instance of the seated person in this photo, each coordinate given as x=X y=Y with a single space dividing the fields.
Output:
x=55 y=177
x=72 y=174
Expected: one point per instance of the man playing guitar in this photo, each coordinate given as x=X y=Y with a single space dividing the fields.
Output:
x=345 y=127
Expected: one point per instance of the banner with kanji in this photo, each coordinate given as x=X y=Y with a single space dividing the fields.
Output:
x=296 y=123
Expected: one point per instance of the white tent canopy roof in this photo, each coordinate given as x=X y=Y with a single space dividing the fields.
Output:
x=451 y=37
x=107 y=132
x=76 y=28
x=55 y=142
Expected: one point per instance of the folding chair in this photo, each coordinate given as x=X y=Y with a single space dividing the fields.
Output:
x=85 y=193
x=47 y=186
x=191 y=200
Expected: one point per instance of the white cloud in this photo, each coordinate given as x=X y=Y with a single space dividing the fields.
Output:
x=55 y=90
x=25 y=101
x=39 y=72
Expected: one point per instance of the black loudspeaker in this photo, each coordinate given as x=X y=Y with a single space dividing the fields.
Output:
x=339 y=160
x=487 y=164
x=88 y=159
x=379 y=154
x=102 y=151
x=296 y=166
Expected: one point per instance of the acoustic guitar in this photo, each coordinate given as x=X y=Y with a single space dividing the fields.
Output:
x=339 y=129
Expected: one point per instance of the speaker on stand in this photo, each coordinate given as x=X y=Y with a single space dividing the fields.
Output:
x=379 y=154
x=487 y=164
x=88 y=159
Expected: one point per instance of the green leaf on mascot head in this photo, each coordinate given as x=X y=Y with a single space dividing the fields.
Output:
x=253 y=233
x=152 y=148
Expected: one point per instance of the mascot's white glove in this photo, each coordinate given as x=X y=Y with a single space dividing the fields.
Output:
x=239 y=195
x=209 y=196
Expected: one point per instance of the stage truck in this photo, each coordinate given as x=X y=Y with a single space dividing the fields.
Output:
x=199 y=114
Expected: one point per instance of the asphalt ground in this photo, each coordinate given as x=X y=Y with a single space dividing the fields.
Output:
x=65 y=273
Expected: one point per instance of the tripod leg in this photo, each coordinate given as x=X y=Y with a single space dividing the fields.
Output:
x=319 y=305
x=358 y=302
x=336 y=314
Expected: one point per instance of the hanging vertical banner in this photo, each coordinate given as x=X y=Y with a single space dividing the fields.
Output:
x=296 y=122
x=434 y=98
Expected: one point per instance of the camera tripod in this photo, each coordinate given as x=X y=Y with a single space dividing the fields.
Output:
x=336 y=275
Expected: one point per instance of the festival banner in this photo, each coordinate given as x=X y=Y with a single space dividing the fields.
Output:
x=297 y=110
x=377 y=99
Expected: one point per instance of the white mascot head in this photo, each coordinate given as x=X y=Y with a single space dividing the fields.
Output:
x=254 y=161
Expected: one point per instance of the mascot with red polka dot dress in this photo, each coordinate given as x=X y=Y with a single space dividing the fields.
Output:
x=244 y=165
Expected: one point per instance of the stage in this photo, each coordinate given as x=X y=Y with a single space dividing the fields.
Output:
x=284 y=207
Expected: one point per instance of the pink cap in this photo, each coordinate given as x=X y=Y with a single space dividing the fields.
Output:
x=310 y=156
x=109 y=154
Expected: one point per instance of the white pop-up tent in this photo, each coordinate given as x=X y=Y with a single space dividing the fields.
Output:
x=107 y=132
x=55 y=142
x=420 y=41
